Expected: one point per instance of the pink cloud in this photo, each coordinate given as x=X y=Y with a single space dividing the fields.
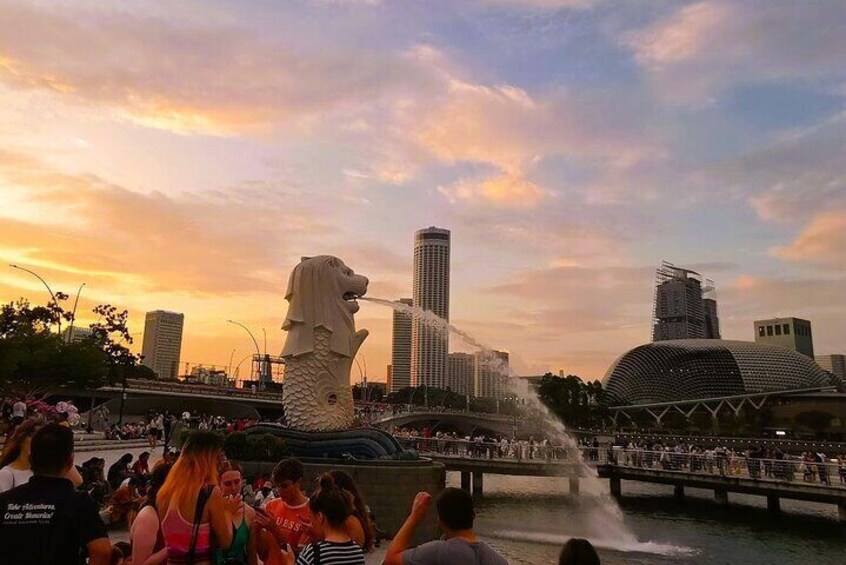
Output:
x=821 y=242
x=204 y=78
x=507 y=191
x=703 y=48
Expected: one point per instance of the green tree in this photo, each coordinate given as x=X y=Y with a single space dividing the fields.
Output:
x=577 y=403
x=111 y=333
x=373 y=393
x=36 y=362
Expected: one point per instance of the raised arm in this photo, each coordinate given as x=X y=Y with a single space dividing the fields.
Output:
x=419 y=509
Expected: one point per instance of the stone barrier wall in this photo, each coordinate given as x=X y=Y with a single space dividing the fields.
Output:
x=388 y=487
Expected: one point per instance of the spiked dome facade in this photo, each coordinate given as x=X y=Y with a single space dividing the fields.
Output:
x=686 y=369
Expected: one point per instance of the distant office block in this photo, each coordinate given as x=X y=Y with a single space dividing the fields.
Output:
x=163 y=342
x=429 y=347
x=461 y=373
x=790 y=333
x=401 y=349
x=491 y=374
x=712 y=321
x=76 y=334
x=835 y=364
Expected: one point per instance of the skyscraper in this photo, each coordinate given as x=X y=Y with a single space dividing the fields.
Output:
x=833 y=364
x=678 y=309
x=431 y=292
x=401 y=349
x=490 y=373
x=76 y=334
x=461 y=373
x=163 y=342
x=791 y=333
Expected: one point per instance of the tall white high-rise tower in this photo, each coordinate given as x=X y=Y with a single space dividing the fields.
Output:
x=431 y=292
x=163 y=342
x=401 y=349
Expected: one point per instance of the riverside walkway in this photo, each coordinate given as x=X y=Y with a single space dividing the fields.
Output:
x=723 y=474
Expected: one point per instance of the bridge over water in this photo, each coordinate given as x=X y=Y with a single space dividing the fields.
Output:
x=142 y=395
x=773 y=479
x=467 y=423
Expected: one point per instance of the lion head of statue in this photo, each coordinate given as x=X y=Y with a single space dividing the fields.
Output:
x=322 y=292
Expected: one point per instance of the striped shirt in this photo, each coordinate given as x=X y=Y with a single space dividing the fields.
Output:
x=332 y=553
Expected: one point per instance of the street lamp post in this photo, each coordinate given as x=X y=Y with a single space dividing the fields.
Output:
x=47 y=286
x=238 y=367
x=364 y=376
x=229 y=371
x=73 y=314
x=246 y=329
x=122 y=400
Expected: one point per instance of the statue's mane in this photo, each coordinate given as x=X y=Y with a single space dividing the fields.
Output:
x=315 y=300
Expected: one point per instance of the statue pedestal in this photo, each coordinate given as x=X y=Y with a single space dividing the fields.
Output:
x=388 y=487
x=357 y=443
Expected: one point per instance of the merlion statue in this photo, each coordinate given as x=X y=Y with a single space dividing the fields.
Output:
x=321 y=344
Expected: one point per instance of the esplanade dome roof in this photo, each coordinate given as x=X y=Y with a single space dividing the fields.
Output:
x=685 y=369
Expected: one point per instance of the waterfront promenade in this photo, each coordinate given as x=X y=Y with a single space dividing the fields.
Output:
x=720 y=471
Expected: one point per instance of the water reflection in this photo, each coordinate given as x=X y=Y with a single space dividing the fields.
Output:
x=529 y=519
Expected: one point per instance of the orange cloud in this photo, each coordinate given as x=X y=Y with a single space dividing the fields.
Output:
x=508 y=191
x=822 y=242
x=507 y=127
x=204 y=78
x=216 y=243
x=547 y=4
x=213 y=256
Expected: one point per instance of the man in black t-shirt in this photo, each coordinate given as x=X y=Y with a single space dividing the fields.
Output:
x=46 y=521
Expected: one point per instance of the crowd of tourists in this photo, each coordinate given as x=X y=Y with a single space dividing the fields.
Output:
x=755 y=462
x=482 y=446
x=13 y=411
x=158 y=426
x=197 y=507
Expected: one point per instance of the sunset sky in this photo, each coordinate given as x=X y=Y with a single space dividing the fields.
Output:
x=184 y=155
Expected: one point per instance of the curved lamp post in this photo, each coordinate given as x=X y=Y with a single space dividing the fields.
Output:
x=73 y=314
x=238 y=368
x=362 y=376
x=246 y=329
x=47 y=286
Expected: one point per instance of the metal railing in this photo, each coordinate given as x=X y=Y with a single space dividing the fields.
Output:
x=138 y=384
x=398 y=410
x=515 y=451
x=831 y=472
x=728 y=464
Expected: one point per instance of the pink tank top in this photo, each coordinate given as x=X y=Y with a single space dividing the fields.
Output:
x=177 y=533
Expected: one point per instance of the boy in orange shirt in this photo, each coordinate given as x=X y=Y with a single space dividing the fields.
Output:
x=287 y=518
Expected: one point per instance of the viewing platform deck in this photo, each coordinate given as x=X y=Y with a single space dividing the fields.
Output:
x=774 y=479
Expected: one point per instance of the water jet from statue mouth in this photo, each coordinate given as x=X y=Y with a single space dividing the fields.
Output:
x=350 y=296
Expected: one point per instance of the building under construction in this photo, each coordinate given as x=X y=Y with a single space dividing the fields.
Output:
x=684 y=305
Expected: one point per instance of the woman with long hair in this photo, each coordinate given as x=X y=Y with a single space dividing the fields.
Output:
x=243 y=548
x=148 y=545
x=14 y=463
x=359 y=526
x=330 y=506
x=194 y=515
